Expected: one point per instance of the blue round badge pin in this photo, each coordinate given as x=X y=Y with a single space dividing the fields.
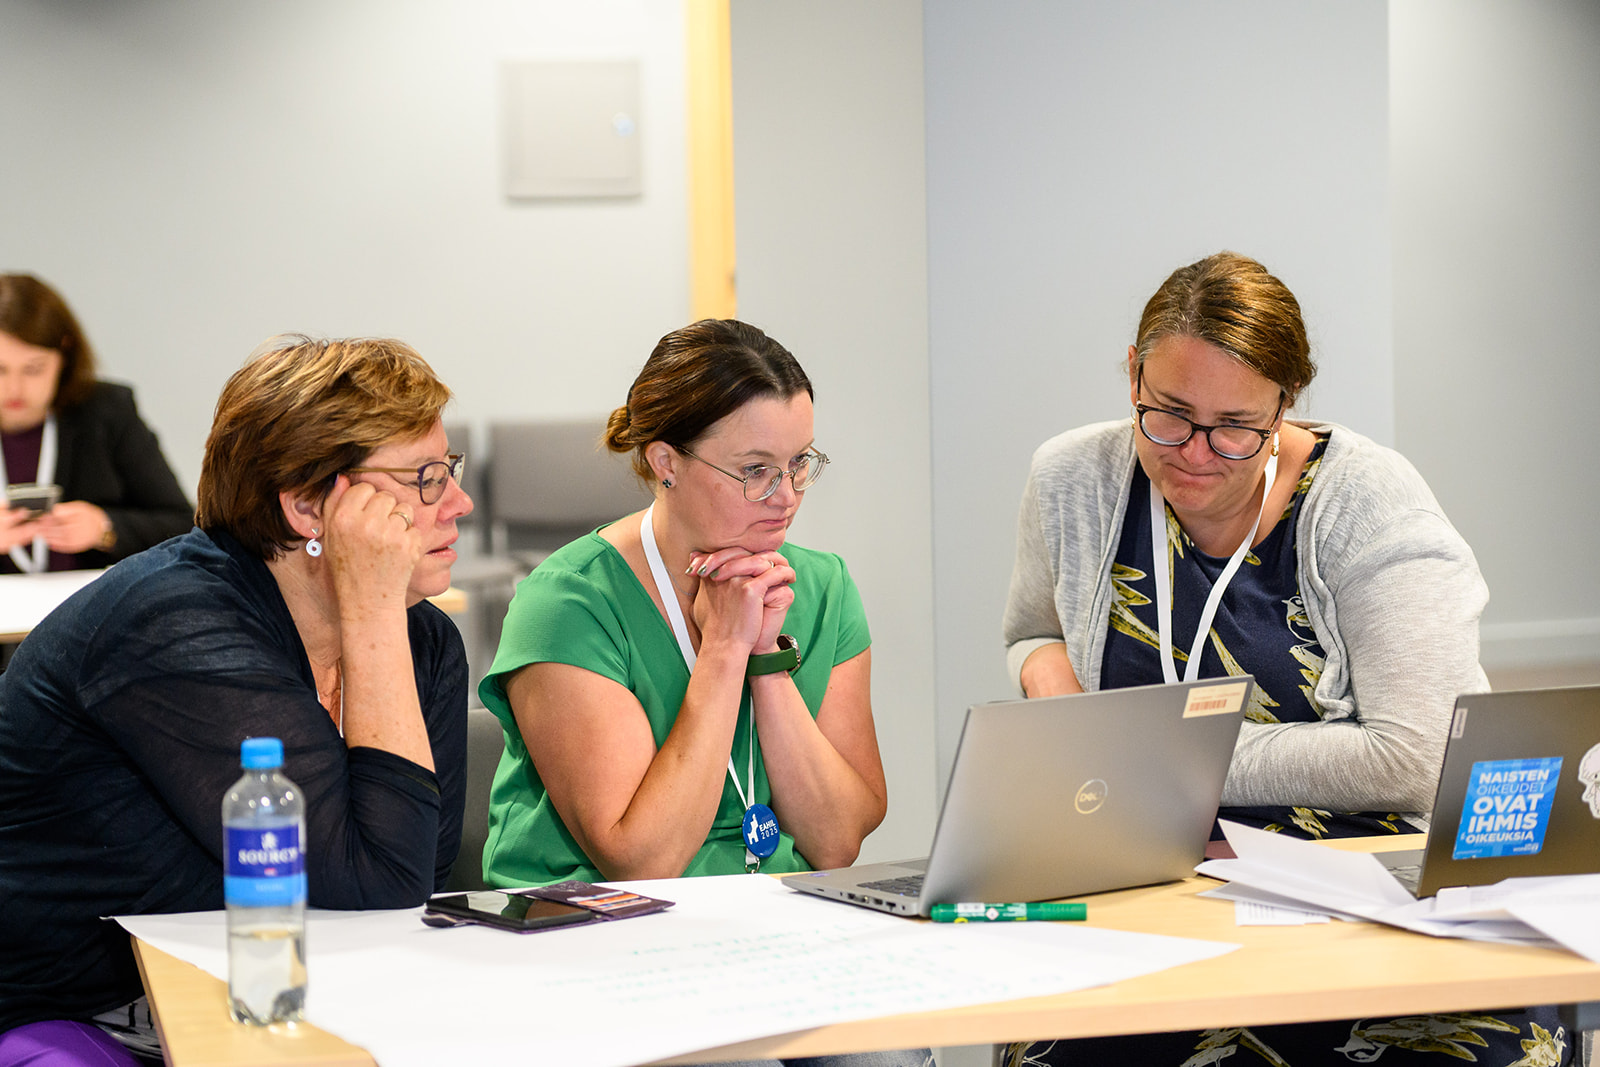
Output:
x=760 y=831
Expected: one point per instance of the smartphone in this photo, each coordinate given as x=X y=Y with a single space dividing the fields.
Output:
x=38 y=499
x=509 y=911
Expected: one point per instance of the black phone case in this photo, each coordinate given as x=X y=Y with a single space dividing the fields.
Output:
x=601 y=903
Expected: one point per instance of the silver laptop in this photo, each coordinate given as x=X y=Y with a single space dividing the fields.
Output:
x=1062 y=796
x=1519 y=793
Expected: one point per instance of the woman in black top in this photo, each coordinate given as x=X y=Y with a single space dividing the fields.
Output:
x=328 y=507
x=60 y=426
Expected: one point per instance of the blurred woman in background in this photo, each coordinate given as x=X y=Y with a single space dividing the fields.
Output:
x=60 y=426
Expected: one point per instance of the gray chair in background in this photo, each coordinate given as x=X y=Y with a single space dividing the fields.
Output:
x=548 y=483
x=539 y=485
x=485 y=742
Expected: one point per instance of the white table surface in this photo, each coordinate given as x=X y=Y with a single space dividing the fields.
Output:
x=25 y=599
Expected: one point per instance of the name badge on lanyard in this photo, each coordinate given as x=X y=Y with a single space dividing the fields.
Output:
x=38 y=560
x=760 y=829
x=1158 y=549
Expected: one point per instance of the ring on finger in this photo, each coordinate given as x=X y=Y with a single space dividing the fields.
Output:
x=406 y=518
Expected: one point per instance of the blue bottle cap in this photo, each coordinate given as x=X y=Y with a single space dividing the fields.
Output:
x=259 y=753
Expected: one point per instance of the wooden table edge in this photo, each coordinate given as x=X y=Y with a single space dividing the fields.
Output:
x=191 y=1016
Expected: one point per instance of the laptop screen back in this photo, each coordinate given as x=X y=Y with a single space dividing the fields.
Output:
x=1519 y=794
x=1078 y=794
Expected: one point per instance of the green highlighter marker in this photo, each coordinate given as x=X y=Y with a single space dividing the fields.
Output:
x=1001 y=913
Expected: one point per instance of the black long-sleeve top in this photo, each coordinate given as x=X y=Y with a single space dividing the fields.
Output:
x=120 y=722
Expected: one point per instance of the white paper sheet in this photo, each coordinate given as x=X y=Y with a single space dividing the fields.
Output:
x=1251 y=913
x=1253 y=907
x=1351 y=882
x=737 y=958
x=1575 y=925
x=1277 y=869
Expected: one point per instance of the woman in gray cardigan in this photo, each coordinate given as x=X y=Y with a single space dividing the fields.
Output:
x=1209 y=535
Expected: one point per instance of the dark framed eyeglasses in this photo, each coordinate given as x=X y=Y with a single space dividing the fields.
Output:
x=431 y=477
x=761 y=481
x=1170 y=429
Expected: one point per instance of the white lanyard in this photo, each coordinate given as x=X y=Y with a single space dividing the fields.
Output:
x=1158 y=547
x=680 y=630
x=46 y=474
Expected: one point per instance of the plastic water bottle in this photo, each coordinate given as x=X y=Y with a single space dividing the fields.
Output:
x=264 y=885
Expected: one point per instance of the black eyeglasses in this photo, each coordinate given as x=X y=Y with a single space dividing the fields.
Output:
x=761 y=480
x=431 y=477
x=1170 y=429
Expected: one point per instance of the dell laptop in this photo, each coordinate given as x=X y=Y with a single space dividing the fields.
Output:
x=1061 y=796
x=1519 y=793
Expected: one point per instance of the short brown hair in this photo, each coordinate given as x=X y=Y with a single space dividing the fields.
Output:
x=695 y=377
x=296 y=414
x=35 y=314
x=1230 y=301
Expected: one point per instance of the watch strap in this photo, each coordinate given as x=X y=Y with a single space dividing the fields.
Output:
x=787 y=658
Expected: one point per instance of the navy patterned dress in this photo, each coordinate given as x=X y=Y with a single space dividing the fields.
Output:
x=1260 y=628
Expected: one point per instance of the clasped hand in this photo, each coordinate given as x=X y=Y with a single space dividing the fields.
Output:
x=742 y=597
x=370 y=547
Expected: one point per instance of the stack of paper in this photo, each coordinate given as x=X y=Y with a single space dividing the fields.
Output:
x=738 y=957
x=1277 y=870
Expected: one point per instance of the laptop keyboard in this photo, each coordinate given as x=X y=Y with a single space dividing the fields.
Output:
x=1409 y=877
x=1406 y=866
x=909 y=885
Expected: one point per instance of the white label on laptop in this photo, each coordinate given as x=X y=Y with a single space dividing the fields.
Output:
x=1214 y=699
x=1507 y=807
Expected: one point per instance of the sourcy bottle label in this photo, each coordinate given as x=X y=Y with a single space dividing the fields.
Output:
x=263 y=866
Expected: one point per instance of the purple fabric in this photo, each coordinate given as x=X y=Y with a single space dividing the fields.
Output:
x=22 y=454
x=60 y=1043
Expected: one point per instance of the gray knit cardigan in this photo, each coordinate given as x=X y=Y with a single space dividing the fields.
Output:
x=1392 y=591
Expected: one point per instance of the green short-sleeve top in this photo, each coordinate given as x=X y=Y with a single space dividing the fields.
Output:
x=585 y=607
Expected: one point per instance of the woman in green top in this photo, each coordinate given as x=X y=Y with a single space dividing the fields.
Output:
x=710 y=713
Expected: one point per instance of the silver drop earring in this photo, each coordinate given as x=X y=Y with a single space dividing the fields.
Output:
x=313 y=546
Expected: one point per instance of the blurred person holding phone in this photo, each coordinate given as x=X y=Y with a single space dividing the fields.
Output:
x=61 y=427
x=296 y=609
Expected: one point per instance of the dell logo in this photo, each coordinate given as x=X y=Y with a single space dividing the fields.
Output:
x=1091 y=795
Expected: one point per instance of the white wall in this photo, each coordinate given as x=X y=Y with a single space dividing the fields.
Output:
x=828 y=160
x=196 y=177
x=1496 y=152
x=1080 y=151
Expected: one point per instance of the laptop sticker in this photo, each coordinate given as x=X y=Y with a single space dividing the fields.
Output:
x=1507 y=807
x=1589 y=775
x=1214 y=699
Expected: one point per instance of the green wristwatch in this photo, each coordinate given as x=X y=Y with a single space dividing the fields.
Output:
x=787 y=658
